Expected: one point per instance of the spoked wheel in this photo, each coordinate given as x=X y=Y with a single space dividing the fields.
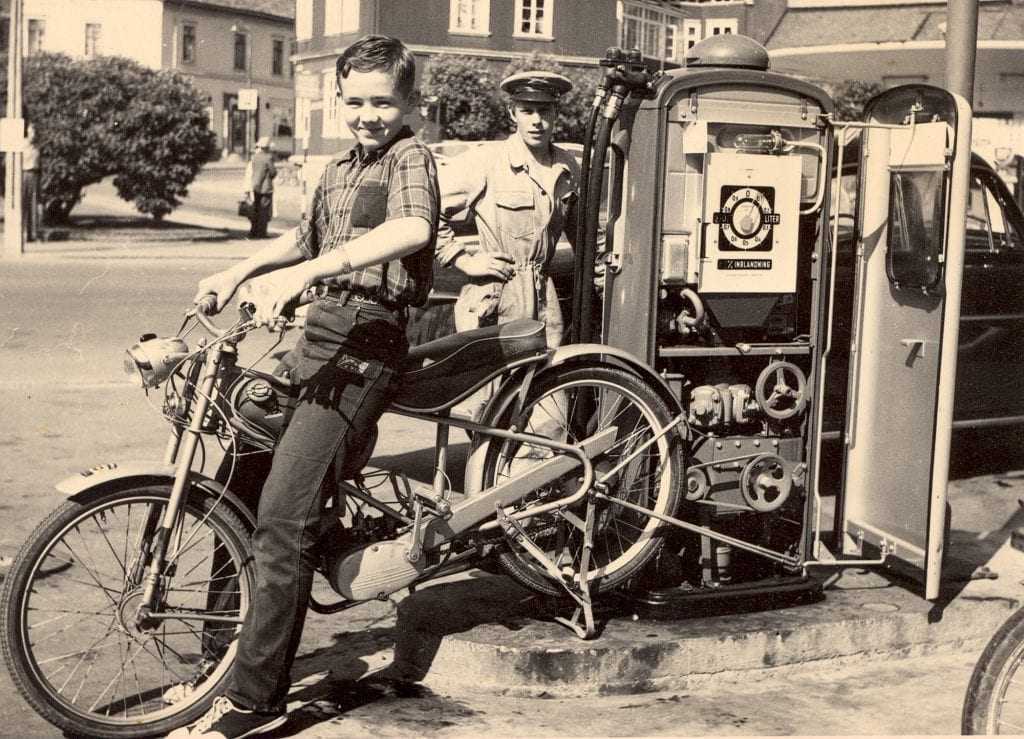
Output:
x=568 y=406
x=79 y=647
x=995 y=695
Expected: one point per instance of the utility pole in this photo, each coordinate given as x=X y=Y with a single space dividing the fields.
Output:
x=13 y=135
x=961 y=47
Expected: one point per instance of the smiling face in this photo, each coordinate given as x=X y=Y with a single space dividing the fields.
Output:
x=373 y=107
x=535 y=123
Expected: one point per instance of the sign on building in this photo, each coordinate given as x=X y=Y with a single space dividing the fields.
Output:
x=248 y=98
x=307 y=85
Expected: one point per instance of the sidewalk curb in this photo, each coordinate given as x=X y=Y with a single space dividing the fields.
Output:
x=479 y=635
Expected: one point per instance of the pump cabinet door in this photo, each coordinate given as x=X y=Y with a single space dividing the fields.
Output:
x=914 y=167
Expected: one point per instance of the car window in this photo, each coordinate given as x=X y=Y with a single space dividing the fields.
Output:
x=988 y=228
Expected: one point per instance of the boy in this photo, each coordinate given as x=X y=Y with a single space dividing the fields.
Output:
x=366 y=249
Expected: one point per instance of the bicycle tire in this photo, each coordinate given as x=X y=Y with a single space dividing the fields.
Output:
x=596 y=397
x=67 y=618
x=988 y=708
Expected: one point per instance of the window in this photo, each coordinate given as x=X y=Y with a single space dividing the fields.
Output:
x=188 y=43
x=470 y=16
x=277 y=57
x=241 y=51
x=719 y=26
x=280 y=113
x=533 y=18
x=332 y=107
x=304 y=19
x=341 y=16
x=92 y=39
x=691 y=33
x=991 y=225
x=916 y=236
x=36 y=33
x=654 y=31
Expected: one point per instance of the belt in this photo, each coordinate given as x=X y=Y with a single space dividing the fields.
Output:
x=344 y=295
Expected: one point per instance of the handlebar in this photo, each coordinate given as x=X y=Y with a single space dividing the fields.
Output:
x=207 y=306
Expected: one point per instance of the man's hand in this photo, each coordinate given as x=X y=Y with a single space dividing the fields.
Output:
x=487 y=264
x=222 y=285
x=273 y=294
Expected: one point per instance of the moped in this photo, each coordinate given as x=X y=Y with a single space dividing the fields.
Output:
x=120 y=611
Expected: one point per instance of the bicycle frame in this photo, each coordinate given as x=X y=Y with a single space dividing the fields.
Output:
x=435 y=520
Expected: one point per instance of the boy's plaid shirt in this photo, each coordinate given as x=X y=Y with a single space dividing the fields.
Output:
x=358 y=192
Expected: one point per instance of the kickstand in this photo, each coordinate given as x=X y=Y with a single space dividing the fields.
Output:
x=580 y=594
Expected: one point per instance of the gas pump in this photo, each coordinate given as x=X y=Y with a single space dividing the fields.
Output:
x=718 y=269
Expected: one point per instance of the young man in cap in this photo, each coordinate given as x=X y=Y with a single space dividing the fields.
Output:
x=522 y=193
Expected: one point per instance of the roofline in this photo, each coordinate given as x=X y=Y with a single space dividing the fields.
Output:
x=938 y=44
x=494 y=54
x=236 y=11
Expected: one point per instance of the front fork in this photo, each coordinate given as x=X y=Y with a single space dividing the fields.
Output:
x=181 y=449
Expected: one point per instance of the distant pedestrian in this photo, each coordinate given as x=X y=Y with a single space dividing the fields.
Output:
x=30 y=186
x=259 y=178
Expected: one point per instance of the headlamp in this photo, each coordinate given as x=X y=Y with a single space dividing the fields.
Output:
x=152 y=360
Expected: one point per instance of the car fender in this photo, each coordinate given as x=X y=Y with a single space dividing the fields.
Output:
x=113 y=475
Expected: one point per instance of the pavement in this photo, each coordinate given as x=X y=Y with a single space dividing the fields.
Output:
x=464 y=653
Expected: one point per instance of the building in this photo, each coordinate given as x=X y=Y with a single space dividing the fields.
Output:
x=226 y=46
x=667 y=29
x=574 y=32
x=894 y=42
x=495 y=30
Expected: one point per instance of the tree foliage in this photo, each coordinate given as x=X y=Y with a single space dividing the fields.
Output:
x=464 y=89
x=111 y=116
x=850 y=97
x=473 y=108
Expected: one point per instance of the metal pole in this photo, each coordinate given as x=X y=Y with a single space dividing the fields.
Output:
x=14 y=237
x=249 y=122
x=961 y=47
x=961 y=50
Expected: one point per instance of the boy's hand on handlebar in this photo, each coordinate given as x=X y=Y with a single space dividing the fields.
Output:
x=274 y=296
x=220 y=287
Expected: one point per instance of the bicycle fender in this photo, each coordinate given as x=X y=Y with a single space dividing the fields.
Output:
x=602 y=354
x=102 y=474
x=119 y=473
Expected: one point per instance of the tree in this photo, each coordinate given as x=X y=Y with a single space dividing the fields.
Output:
x=473 y=108
x=111 y=116
x=850 y=97
x=464 y=89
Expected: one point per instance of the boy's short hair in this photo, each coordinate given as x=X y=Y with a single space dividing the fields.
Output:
x=380 y=54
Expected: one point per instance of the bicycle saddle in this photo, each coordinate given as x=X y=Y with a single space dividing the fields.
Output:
x=441 y=372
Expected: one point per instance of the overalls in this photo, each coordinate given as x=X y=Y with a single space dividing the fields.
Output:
x=520 y=210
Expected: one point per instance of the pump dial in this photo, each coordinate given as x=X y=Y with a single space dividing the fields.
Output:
x=747 y=217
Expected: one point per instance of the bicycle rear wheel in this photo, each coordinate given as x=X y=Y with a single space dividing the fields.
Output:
x=76 y=645
x=994 y=703
x=569 y=405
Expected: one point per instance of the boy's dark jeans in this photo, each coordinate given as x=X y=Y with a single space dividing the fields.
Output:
x=348 y=359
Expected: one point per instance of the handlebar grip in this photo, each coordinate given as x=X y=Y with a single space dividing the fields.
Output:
x=207 y=305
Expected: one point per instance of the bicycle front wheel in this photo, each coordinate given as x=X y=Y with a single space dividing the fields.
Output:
x=995 y=695
x=641 y=468
x=78 y=646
